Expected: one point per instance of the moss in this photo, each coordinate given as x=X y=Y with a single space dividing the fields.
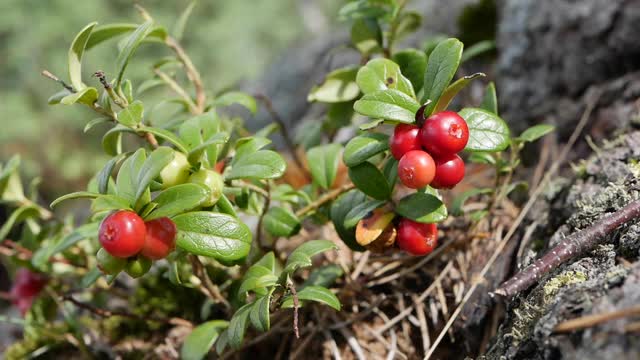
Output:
x=634 y=167
x=554 y=284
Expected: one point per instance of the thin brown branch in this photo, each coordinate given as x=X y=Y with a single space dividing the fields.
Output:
x=192 y=73
x=177 y=88
x=572 y=246
x=595 y=319
x=285 y=133
x=49 y=75
x=296 y=306
x=109 y=313
x=210 y=288
x=331 y=195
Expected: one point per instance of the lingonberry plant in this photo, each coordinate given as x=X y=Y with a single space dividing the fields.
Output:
x=182 y=190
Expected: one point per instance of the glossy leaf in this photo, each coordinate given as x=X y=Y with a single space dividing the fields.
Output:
x=317 y=294
x=42 y=255
x=301 y=256
x=238 y=326
x=259 y=314
x=196 y=153
x=366 y=9
x=237 y=97
x=91 y=124
x=370 y=180
x=263 y=164
x=324 y=276
x=87 y=96
x=281 y=222
x=129 y=49
x=453 y=89
x=57 y=97
x=75 y=56
x=104 y=175
x=441 y=67
x=338 y=86
x=152 y=167
x=362 y=148
x=366 y=36
x=390 y=171
x=490 y=99
x=103 y=33
x=198 y=343
x=17 y=216
x=338 y=212
x=421 y=207
x=477 y=49
x=166 y=135
x=388 y=104
x=360 y=211
x=74 y=195
x=249 y=145
x=220 y=236
x=487 y=131
x=109 y=203
x=132 y=114
x=458 y=201
x=323 y=162
x=412 y=63
x=383 y=74
x=535 y=132
x=127 y=179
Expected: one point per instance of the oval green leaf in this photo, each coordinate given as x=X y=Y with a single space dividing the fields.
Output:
x=370 y=180
x=75 y=56
x=441 y=67
x=388 y=104
x=281 y=222
x=361 y=148
x=338 y=86
x=199 y=342
x=421 y=207
x=263 y=164
x=487 y=131
x=323 y=162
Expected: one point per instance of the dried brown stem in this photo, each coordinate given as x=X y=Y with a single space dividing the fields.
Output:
x=595 y=319
x=209 y=287
x=572 y=246
x=49 y=75
x=177 y=88
x=192 y=73
x=296 y=306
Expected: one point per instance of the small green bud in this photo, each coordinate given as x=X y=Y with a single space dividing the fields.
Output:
x=138 y=266
x=176 y=172
x=213 y=181
x=109 y=264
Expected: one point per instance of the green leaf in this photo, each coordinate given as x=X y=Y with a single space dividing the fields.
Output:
x=88 y=96
x=339 y=115
x=104 y=175
x=338 y=212
x=482 y=158
x=487 y=131
x=338 y=86
x=108 y=203
x=75 y=56
x=112 y=139
x=237 y=97
x=412 y=64
x=181 y=23
x=408 y=23
x=490 y=100
x=132 y=114
x=535 y=132
x=281 y=222
x=220 y=236
x=225 y=206
x=260 y=275
x=127 y=90
x=91 y=124
x=421 y=207
x=151 y=169
x=16 y=217
x=366 y=9
x=301 y=256
x=263 y=164
x=324 y=276
x=362 y=148
x=249 y=145
x=315 y=293
x=309 y=134
x=130 y=47
x=476 y=49
x=390 y=171
x=126 y=181
x=57 y=97
x=458 y=201
x=323 y=162
x=238 y=326
x=90 y=278
x=360 y=211
x=453 y=89
x=105 y=32
x=388 y=104
x=370 y=180
x=148 y=85
x=259 y=314
x=442 y=66
x=196 y=153
x=366 y=36
x=166 y=135
x=383 y=74
x=75 y=195
x=197 y=345
x=43 y=254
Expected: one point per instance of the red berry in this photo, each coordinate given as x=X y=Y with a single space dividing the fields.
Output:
x=122 y=233
x=405 y=138
x=161 y=238
x=417 y=238
x=26 y=286
x=416 y=169
x=444 y=133
x=449 y=172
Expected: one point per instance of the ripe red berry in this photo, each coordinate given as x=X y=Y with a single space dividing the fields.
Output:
x=449 y=172
x=444 y=133
x=122 y=233
x=160 y=239
x=26 y=286
x=416 y=169
x=417 y=238
x=405 y=138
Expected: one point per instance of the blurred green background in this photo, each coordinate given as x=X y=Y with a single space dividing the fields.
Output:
x=229 y=41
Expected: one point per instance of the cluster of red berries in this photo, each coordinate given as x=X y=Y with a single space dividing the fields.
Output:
x=131 y=242
x=428 y=155
x=26 y=286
